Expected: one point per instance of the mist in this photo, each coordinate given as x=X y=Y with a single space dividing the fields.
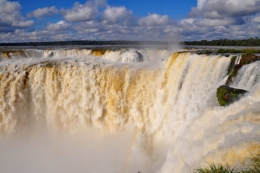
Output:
x=77 y=112
x=40 y=150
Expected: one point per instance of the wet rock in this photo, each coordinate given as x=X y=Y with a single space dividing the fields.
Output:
x=227 y=95
x=51 y=55
x=245 y=59
x=98 y=52
x=248 y=58
x=232 y=64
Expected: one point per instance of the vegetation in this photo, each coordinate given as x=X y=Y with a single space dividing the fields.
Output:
x=215 y=169
x=232 y=75
x=222 y=42
x=247 y=51
x=253 y=167
x=226 y=42
x=227 y=95
x=246 y=59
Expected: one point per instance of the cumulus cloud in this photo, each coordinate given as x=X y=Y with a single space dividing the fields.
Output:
x=100 y=3
x=23 y=24
x=218 y=22
x=154 y=20
x=59 y=26
x=42 y=12
x=7 y=7
x=114 y=15
x=217 y=9
x=83 y=12
x=256 y=19
x=95 y=19
x=22 y=35
x=117 y=31
x=201 y=29
x=11 y=18
x=218 y=19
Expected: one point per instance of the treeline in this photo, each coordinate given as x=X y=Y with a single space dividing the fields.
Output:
x=223 y=42
x=63 y=43
x=243 y=51
x=226 y=42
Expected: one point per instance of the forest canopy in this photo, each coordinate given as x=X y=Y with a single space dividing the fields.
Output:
x=222 y=42
x=226 y=42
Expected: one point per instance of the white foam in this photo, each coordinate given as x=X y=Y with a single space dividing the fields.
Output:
x=161 y=116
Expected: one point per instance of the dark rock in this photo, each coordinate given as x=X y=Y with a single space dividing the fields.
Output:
x=227 y=95
x=141 y=58
x=245 y=59
x=232 y=64
x=51 y=55
x=248 y=58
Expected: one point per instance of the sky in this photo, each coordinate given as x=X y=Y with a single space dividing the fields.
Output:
x=164 y=20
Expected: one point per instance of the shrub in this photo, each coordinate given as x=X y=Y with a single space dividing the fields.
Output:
x=253 y=167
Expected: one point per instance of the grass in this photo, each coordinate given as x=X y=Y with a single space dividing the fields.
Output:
x=253 y=167
x=216 y=169
x=220 y=94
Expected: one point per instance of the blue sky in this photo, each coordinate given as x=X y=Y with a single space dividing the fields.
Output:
x=174 y=9
x=50 y=20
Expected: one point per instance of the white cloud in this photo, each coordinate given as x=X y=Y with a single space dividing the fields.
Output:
x=59 y=26
x=201 y=4
x=154 y=20
x=217 y=9
x=201 y=29
x=95 y=19
x=256 y=19
x=22 y=35
x=23 y=23
x=114 y=15
x=42 y=12
x=217 y=19
x=216 y=22
x=187 y=20
x=7 y=7
x=11 y=18
x=83 y=12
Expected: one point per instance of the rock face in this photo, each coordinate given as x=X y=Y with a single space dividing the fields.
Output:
x=227 y=95
x=231 y=65
x=245 y=59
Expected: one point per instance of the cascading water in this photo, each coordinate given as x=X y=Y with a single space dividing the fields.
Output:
x=71 y=111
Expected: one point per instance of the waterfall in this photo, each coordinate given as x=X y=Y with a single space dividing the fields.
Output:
x=164 y=112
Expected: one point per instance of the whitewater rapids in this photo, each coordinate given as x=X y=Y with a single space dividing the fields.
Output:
x=125 y=110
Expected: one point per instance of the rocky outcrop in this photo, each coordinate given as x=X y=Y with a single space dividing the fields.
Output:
x=245 y=59
x=12 y=54
x=232 y=64
x=98 y=52
x=51 y=55
x=227 y=95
